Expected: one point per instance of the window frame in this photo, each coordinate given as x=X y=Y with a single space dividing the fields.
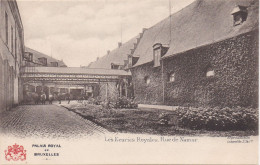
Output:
x=170 y=76
x=157 y=54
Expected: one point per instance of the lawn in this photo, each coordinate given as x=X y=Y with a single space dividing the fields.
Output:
x=144 y=121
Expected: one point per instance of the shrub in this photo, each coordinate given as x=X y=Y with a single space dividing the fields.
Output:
x=163 y=119
x=218 y=118
x=94 y=101
x=124 y=102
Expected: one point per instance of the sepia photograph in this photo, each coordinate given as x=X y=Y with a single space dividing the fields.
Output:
x=129 y=81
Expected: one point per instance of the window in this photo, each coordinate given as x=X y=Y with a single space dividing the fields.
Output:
x=147 y=80
x=157 y=50
x=30 y=57
x=115 y=66
x=130 y=60
x=15 y=45
x=6 y=28
x=239 y=15
x=43 y=61
x=12 y=39
x=157 y=57
x=54 y=64
x=210 y=72
x=172 y=77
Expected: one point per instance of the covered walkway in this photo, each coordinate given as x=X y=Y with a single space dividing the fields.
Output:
x=77 y=81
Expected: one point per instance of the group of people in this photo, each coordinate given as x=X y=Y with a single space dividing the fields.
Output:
x=41 y=98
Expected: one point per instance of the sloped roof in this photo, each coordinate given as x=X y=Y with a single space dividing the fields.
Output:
x=76 y=70
x=116 y=56
x=50 y=59
x=202 y=22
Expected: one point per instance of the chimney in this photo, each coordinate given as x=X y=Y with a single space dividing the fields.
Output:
x=132 y=51
x=119 y=44
x=97 y=58
x=108 y=52
x=144 y=29
x=140 y=35
x=135 y=45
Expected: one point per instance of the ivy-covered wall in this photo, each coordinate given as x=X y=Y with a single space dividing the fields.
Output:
x=235 y=63
x=147 y=93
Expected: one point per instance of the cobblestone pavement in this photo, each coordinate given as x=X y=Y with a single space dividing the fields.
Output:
x=46 y=121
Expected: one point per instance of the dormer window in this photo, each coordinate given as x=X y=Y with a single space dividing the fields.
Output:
x=30 y=57
x=130 y=61
x=157 y=50
x=239 y=15
x=43 y=61
x=115 y=66
x=54 y=64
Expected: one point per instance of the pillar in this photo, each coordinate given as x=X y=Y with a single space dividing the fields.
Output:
x=120 y=89
x=126 y=86
x=106 y=91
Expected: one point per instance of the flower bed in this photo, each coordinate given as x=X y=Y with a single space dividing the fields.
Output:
x=218 y=118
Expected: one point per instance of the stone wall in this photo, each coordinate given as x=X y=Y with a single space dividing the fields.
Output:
x=235 y=63
x=11 y=51
x=7 y=83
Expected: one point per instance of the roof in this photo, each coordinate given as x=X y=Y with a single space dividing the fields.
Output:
x=50 y=59
x=116 y=56
x=201 y=23
x=76 y=70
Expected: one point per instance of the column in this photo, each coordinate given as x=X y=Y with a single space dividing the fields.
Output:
x=106 y=91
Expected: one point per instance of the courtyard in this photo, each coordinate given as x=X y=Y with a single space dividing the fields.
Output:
x=46 y=121
x=79 y=119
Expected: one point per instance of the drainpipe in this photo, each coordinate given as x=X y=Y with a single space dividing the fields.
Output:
x=163 y=83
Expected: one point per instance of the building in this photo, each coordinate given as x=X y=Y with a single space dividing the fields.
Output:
x=11 y=53
x=44 y=74
x=118 y=59
x=35 y=58
x=209 y=58
x=33 y=61
x=204 y=55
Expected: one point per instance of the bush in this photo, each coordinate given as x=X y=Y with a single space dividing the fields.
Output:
x=94 y=101
x=124 y=102
x=218 y=118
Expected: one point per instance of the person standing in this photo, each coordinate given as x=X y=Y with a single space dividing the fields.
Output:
x=43 y=98
x=68 y=97
x=59 y=98
x=50 y=98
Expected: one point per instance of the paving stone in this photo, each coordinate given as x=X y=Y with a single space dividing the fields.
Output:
x=48 y=121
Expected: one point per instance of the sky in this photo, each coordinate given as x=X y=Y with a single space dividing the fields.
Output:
x=79 y=31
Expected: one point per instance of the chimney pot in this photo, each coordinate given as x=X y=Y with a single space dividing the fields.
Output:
x=144 y=29
x=108 y=52
x=119 y=44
